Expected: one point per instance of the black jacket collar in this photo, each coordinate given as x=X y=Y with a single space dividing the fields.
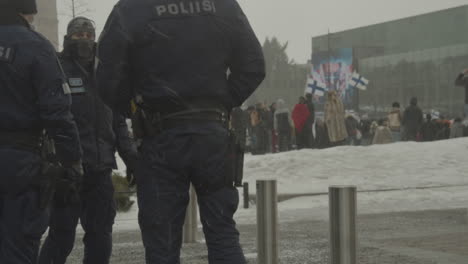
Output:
x=7 y=18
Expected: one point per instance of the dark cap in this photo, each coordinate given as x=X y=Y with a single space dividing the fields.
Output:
x=27 y=7
x=81 y=24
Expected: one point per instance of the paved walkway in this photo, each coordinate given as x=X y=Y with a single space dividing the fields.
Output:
x=429 y=237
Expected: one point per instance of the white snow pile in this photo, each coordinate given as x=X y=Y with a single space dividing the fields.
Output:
x=403 y=166
x=400 y=165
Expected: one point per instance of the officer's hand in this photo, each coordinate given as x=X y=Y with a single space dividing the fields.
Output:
x=131 y=177
x=465 y=72
x=69 y=184
x=131 y=164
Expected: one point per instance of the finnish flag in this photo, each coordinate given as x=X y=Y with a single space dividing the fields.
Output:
x=357 y=81
x=315 y=88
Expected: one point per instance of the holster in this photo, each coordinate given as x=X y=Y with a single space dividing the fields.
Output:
x=142 y=124
x=50 y=173
x=235 y=160
x=51 y=170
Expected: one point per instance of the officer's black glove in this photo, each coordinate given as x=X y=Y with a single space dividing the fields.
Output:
x=131 y=178
x=68 y=186
x=131 y=163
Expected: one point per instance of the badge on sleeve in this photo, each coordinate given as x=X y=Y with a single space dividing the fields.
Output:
x=76 y=85
x=66 y=88
x=6 y=53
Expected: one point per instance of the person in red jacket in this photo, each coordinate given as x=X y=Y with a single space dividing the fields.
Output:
x=300 y=115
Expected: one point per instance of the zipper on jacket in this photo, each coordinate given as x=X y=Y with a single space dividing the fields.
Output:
x=92 y=86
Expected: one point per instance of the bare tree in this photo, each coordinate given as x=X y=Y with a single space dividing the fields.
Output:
x=74 y=8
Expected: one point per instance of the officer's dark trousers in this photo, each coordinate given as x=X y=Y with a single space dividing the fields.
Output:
x=22 y=222
x=96 y=213
x=168 y=164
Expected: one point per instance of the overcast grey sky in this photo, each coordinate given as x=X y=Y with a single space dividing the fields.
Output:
x=297 y=21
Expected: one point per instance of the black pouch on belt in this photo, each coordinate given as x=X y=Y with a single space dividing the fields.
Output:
x=143 y=124
x=138 y=124
x=235 y=161
x=51 y=171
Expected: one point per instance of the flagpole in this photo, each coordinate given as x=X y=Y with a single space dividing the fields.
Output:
x=356 y=66
x=329 y=61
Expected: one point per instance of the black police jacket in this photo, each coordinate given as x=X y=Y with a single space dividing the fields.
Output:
x=33 y=92
x=101 y=131
x=179 y=54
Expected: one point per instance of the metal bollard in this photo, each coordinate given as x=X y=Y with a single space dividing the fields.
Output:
x=267 y=222
x=466 y=217
x=191 y=219
x=246 y=196
x=343 y=214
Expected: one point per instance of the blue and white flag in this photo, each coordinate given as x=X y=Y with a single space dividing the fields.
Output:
x=357 y=81
x=315 y=88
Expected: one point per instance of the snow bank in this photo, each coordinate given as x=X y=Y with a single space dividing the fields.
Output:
x=394 y=166
x=316 y=208
x=400 y=165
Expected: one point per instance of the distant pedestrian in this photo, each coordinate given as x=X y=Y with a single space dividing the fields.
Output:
x=412 y=120
x=335 y=119
x=310 y=121
x=462 y=80
x=274 y=139
x=300 y=116
x=428 y=129
x=266 y=127
x=373 y=128
x=365 y=126
x=321 y=134
x=383 y=134
x=256 y=132
x=394 y=121
x=442 y=129
x=261 y=130
x=239 y=124
x=352 y=128
x=457 y=129
x=283 y=126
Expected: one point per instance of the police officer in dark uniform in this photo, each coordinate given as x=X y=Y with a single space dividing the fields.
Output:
x=33 y=97
x=187 y=63
x=101 y=133
x=462 y=80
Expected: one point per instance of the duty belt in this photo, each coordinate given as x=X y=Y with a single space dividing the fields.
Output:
x=196 y=116
x=30 y=141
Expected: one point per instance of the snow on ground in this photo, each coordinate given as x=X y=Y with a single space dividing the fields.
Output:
x=128 y=220
x=120 y=166
x=393 y=166
x=316 y=208
x=399 y=165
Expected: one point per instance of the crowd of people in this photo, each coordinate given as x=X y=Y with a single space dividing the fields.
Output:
x=273 y=128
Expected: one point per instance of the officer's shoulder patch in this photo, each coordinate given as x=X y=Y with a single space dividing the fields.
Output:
x=66 y=88
x=7 y=53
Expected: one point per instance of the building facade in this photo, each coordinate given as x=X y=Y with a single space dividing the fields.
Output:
x=413 y=57
x=287 y=85
x=46 y=21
